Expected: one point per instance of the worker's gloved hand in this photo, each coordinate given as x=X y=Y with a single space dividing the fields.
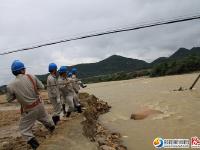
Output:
x=58 y=100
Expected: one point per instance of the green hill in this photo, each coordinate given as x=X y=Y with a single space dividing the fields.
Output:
x=181 y=53
x=159 y=60
x=182 y=61
x=117 y=67
x=110 y=65
x=120 y=68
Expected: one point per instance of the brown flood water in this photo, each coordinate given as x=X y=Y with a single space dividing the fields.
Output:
x=180 y=118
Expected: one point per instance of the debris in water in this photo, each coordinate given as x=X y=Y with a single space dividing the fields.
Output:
x=180 y=89
x=144 y=114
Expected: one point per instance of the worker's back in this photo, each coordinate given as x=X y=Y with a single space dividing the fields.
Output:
x=23 y=90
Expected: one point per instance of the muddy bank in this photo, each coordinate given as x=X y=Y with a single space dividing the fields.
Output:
x=9 y=117
x=94 y=130
x=14 y=140
x=68 y=136
x=74 y=133
x=10 y=138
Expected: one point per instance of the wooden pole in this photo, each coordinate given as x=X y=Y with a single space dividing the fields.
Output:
x=195 y=82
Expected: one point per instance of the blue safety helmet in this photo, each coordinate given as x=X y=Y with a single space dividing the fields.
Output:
x=17 y=66
x=69 y=75
x=63 y=69
x=74 y=70
x=52 y=67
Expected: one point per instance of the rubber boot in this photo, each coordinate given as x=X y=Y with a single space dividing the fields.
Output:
x=51 y=128
x=34 y=143
x=64 y=110
x=68 y=114
x=79 y=109
x=84 y=86
x=56 y=119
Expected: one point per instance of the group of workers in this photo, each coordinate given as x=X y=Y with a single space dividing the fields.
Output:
x=62 y=91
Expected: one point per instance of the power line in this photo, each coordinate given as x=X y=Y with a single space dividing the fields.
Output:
x=148 y=25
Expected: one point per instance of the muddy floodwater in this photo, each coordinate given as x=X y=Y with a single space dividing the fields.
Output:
x=181 y=109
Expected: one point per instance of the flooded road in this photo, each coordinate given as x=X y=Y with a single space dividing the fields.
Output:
x=180 y=117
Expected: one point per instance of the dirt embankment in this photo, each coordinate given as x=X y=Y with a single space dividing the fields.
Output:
x=94 y=130
x=10 y=139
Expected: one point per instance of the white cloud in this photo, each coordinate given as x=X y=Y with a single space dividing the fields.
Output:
x=27 y=22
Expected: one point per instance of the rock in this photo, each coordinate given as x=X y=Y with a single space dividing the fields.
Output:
x=121 y=147
x=105 y=147
x=101 y=141
x=115 y=135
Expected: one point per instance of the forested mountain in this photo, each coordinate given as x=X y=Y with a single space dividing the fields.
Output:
x=182 y=61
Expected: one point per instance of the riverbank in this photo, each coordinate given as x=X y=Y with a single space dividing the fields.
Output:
x=68 y=134
x=95 y=131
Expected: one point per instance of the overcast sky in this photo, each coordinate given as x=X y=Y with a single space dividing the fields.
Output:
x=27 y=22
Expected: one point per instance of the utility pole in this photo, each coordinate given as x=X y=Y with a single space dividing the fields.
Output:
x=195 y=82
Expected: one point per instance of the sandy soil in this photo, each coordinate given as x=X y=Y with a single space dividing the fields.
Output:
x=10 y=116
x=2 y=99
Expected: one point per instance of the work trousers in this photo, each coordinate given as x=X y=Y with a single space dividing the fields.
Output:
x=29 y=117
x=56 y=106
x=76 y=99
